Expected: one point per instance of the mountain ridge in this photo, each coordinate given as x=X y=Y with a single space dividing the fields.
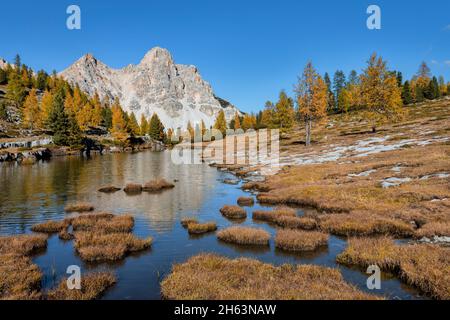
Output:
x=176 y=92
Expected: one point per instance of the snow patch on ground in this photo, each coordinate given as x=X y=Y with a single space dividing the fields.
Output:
x=440 y=175
x=362 y=174
x=394 y=182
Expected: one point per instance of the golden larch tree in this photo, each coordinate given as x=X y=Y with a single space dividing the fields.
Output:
x=381 y=96
x=237 y=121
x=144 y=125
x=119 y=125
x=46 y=106
x=31 y=112
x=312 y=99
x=221 y=123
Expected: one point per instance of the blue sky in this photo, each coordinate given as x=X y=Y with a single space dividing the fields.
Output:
x=248 y=50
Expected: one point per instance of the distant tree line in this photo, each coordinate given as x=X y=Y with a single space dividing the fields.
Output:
x=47 y=102
x=379 y=92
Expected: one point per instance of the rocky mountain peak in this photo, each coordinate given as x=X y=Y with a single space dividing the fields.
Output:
x=157 y=55
x=177 y=93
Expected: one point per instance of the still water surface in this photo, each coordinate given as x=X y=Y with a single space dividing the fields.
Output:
x=33 y=194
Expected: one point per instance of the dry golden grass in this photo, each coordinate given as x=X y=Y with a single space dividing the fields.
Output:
x=103 y=222
x=65 y=235
x=198 y=228
x=299 y=240
x=421 y=265
x=93 y=246
x=109 y=189
x=244 y=236
x=272 y=216
x=133 y=188
x=50 y=226
x=157 y=185
x=211 y=277
x=188 y=220
x=20 y=279
x=92 y=287
x=79 y=207
x=431 y=229
x=368 y=251
x=245 y=201
x=427 y=268
x=254 y=185
x=233 y=212
x=304 y=223
x=22 y=244
x=364 y=224
x=335 y=187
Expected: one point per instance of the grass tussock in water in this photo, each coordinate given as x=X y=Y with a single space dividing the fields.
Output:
x=212 y=277
x=274 y=215
x=92 y=287
x=65 y=235
x=305 y=223
x=157 y=185
x=233 y=212
x=79 y=207
x=421 y=265
x=299 y=240
x=23 y=244
x=199 y=228
x=103 y=223
x=244 y=236
x=50 y=226
x=131 y=188
x=92 y=246
x=188 y=220
x=19 y=277
x=364 y=224
x=245 y=201
x=109 y=189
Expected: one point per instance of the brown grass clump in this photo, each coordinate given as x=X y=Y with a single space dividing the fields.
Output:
x=245 y=201
x=364 y=252
x=421 y=265
x=92 y=287
x=198 y=228
x=298 y=240
x=79 y=207
x=360 y=224
x=188 y=220
x=427 y=268
x=211 y=277
x=157 y=185
x=233 y=212
x=50 y=226
x=65 y=235
x=245 y=236
x=20 y=279
x=272 y=216
x=103 y=222
x=108 y=189
x=304 y=223
x=93 y=246
x=133 y=188
x=22 y=244
x=436 y=228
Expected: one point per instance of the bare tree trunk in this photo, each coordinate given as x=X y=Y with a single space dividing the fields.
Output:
x=308 y=132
